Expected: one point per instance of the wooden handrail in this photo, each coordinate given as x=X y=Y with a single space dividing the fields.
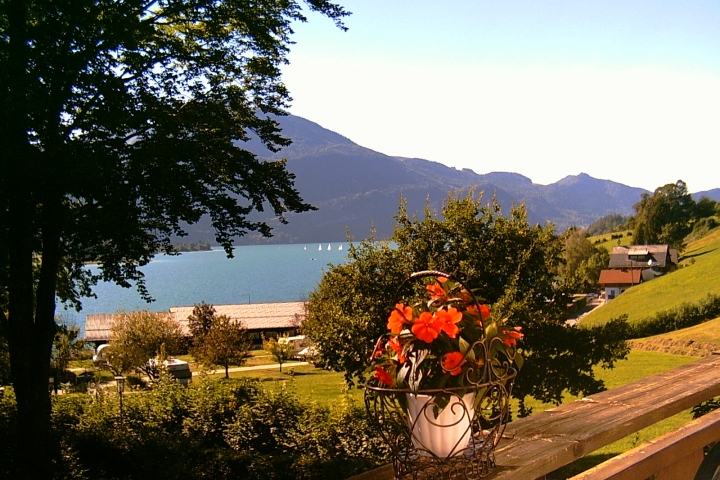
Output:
x=542 y=443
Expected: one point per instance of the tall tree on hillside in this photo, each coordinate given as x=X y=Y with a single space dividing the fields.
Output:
x=118 y=122
x=582 y=261
x=509 y=263
x=665 y=217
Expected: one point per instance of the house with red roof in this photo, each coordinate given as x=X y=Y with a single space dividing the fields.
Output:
x=634 y=264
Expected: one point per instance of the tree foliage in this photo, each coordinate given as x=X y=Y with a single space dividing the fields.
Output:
x=279 y=348
x=209 y=429
x=217 y=339
x=66 y=347
x=120 y=121
x=143 y=340
x=583 y=262
x=607 y=224
x=201 y=320
x=665 y=217
x=509 y=263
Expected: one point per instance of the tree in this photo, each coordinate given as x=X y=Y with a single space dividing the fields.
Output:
x=4 y=358
x=510 y=264
x=583 y=261
x=280 y=349
x=607 y=224
x=200 y=321
x=706 y=207
x=66 y=347
x=119 y=122
x=577 y=249
x=143 y=340
x=225 y=342
x=665 y=217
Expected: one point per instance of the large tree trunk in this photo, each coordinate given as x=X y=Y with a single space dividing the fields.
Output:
x=31 y=305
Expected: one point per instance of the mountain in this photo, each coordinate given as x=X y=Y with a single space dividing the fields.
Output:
x=713 y=194
x=356 y=189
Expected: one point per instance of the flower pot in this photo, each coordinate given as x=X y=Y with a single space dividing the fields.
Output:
x=446 y=434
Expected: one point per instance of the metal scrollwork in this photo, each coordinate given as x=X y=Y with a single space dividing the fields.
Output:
x=483 y=423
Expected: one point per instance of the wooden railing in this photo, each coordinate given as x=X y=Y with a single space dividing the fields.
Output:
x=542 y=443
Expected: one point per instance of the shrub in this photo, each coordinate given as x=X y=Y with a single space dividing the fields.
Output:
x=683 y=316
x=211 y=429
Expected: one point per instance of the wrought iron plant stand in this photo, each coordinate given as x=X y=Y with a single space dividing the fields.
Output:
x=429 y=442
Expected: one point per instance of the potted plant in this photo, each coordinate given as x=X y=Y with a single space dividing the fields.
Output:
x=440 y=379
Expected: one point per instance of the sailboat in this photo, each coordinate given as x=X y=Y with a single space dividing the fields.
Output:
x=329 y=247
x=340 y=247
x=304 y=248
x=319 y=247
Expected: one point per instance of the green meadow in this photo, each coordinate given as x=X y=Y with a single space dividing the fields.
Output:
x=698 y=275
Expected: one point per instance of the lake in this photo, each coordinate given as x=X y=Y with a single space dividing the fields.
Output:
x=256 y=274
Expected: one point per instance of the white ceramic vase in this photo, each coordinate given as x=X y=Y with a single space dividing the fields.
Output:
x=449 y=433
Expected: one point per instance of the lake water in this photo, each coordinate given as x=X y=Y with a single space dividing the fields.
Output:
x=256 y=274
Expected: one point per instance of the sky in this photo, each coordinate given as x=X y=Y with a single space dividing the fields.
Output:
x=622 y=90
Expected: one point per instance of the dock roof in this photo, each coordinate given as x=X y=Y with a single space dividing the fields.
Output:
x=254 y=316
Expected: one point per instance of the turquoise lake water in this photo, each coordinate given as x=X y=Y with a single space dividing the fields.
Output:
x=256 y=274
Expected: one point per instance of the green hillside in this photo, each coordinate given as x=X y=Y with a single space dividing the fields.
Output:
x=699 y=276
x=699 y=340
x=606 y=241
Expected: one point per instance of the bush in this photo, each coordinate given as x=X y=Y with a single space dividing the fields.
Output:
x=211 y=429
x=683 y=316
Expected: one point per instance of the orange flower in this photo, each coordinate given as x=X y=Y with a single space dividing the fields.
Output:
x=452 y=362
x=394 y=345
x=399 y=317
x=436 y=291
x=483 y=311
x=512 y=336
x=383 y=376
x=447 y=320
x=426 y=328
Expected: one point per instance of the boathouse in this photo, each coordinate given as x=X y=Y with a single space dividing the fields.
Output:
x=258 y=318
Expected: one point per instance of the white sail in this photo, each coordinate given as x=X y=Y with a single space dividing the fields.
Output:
x=319 y=247
x=340 y=247
x=329 y=247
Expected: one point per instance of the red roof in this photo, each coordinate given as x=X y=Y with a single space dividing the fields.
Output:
x=620 y=277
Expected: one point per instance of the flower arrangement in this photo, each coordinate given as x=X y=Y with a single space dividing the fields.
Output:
x=445 y=341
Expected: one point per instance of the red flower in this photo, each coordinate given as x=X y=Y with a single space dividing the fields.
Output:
x=426 y=328
x=383 y=376
x=399 y=317
x=452 y=362
x=512 y=336
x=394 y=345
x=447 y=320
x=436 y=291
x=483 y=311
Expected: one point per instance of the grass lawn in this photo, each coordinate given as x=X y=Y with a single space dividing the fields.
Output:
x=310 y=383
x=258 y=357
x=609 y=243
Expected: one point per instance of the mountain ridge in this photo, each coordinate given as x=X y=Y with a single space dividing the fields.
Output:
x=357 y=189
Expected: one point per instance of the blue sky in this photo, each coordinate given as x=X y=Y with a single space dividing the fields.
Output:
x=622 y=90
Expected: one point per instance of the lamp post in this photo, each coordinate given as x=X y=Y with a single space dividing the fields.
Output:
x=120 y=382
